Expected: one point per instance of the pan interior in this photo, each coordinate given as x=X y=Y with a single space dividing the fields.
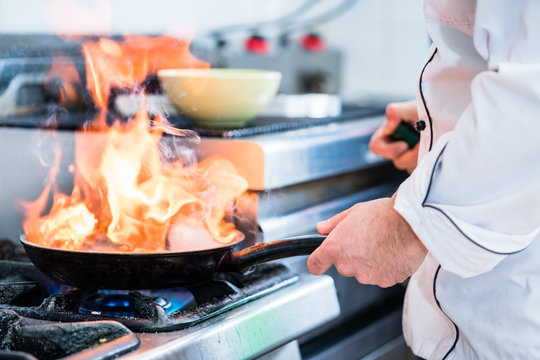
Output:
x=240 y=238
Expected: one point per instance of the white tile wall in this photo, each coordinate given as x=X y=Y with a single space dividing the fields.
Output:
x=383 y=40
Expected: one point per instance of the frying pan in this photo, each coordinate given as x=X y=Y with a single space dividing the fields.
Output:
x=136 y=271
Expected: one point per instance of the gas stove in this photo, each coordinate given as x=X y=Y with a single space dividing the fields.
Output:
x=234 y=316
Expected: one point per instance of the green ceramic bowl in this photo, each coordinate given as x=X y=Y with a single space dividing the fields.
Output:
x=220 y=98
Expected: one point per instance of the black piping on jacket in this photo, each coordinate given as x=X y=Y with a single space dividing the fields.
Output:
x=427 y=193
x=424 y=99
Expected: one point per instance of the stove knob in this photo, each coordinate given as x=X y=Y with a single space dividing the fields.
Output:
x=257 y=44
x=312 y=42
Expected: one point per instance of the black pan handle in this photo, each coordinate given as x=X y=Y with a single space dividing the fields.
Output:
x=242 y=260
x=405 y=132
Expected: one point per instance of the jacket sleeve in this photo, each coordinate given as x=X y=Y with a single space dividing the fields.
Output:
x=475 y=197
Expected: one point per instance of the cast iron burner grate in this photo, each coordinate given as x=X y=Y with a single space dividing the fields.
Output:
x=20 y=337
x=22 y=288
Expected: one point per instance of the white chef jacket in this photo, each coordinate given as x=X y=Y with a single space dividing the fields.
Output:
x=474 y=198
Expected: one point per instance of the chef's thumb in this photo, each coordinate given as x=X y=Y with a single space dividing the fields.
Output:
x=319 y=261
x=325 y=227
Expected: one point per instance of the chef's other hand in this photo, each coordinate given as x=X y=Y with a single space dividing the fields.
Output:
x=398 y=151
x=371 y=242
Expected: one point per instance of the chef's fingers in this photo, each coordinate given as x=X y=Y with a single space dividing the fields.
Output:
x=395 y=112
x=407 y=160
x=387 y=127
x=393 y=118
x=388 y=150
x=324 y=227
x=320 y=260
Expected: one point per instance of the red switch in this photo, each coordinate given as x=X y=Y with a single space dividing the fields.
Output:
x=312 y=42
x=257 y=45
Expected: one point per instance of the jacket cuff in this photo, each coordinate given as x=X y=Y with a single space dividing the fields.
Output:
x=439 y=234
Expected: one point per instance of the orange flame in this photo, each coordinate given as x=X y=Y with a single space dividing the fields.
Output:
x=64 y=72
x=125 y=198
x=124 y=64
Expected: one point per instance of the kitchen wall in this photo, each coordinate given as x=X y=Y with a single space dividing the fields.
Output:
x=383 y=40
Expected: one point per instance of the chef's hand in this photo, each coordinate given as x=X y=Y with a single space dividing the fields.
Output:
x=371 y=242
x=398 y=151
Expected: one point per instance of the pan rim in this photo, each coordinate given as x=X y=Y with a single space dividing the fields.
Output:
x=26 y=242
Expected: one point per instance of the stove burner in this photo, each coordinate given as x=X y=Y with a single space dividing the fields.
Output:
x=117 y=303
x=140 y=311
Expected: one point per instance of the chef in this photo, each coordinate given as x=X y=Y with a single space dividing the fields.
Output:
x=466 y=223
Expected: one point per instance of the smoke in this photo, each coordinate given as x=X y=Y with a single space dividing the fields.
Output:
x=47 y=144
x=179 y=144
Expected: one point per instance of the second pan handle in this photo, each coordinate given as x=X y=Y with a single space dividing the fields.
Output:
x=262 y=252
